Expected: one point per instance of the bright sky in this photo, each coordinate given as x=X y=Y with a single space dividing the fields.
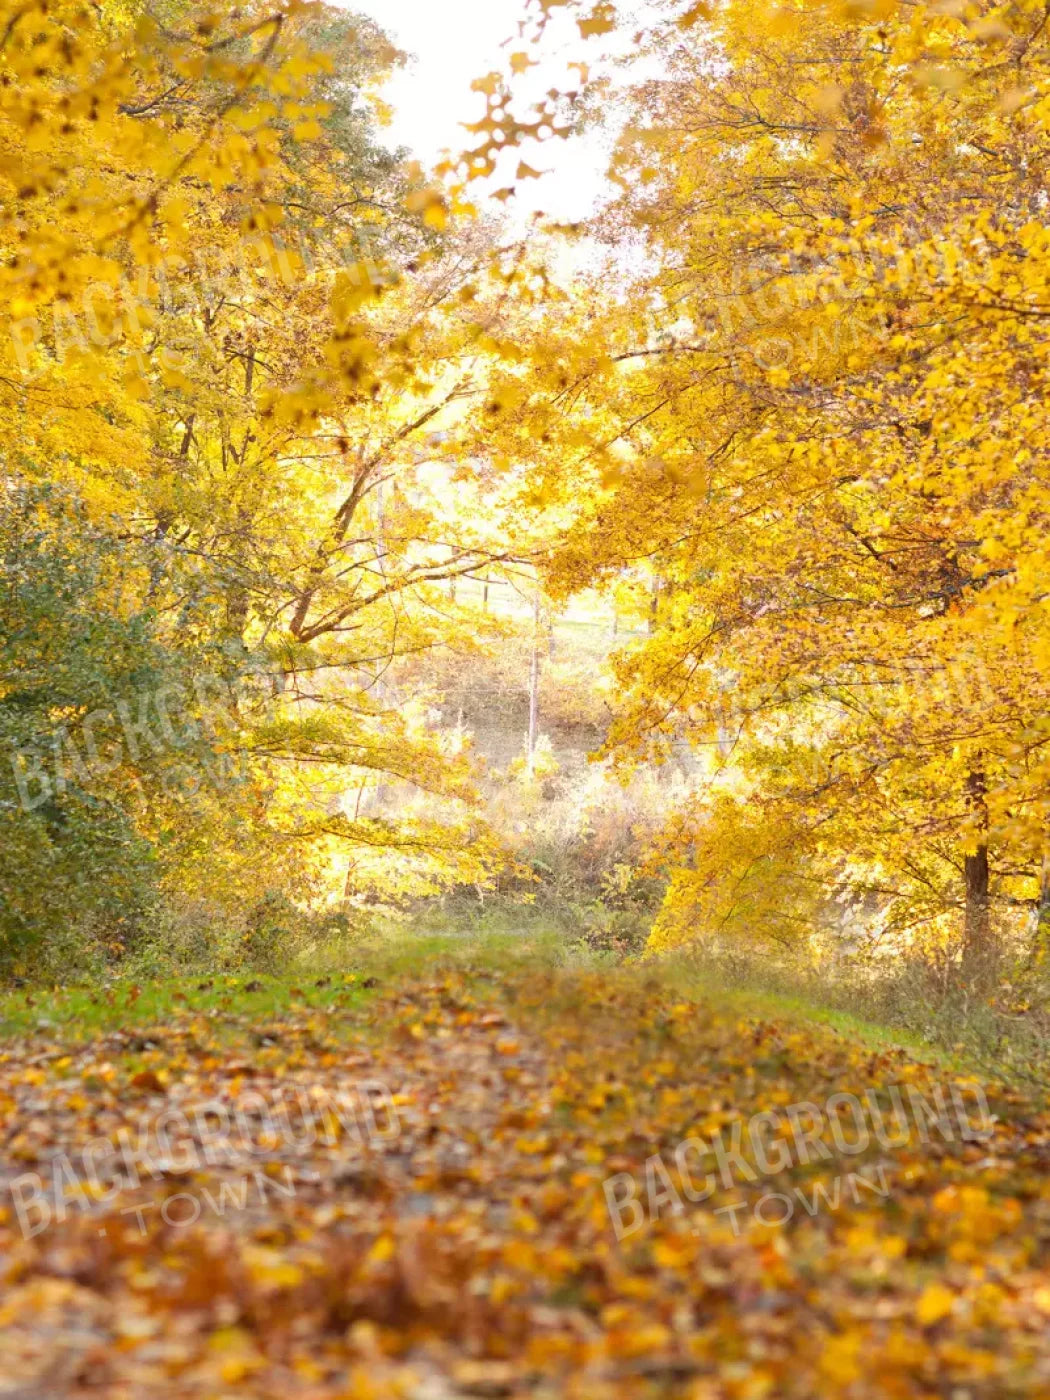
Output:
x=455 y=41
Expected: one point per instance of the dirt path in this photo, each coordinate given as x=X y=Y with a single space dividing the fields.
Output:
x=479 y=1187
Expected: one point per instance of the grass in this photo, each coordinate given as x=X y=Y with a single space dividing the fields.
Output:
x=908 y=1016
x=502 y=948
x=794 y=1007
x=339 y=980
x=79 y=1013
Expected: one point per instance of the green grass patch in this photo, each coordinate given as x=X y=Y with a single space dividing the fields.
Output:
x=792 y=1007
x=80 y=1013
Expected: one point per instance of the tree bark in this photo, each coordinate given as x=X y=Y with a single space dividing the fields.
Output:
x=979 y=952
x=534 y=684
x=1039 y=926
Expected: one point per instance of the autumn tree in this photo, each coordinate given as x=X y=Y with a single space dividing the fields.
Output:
x=237 y=322
x=816 y=414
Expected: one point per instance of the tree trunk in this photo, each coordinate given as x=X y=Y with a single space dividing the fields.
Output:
x=534 y=684
x=978 y=922
x=1039 y=926
x=979 y=952
x=655 y=588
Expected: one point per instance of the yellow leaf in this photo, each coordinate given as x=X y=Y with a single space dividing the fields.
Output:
x=383 y=1249
x=935 y=1303
x=602 y=20
x=694 y=14
x=269 y=1269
